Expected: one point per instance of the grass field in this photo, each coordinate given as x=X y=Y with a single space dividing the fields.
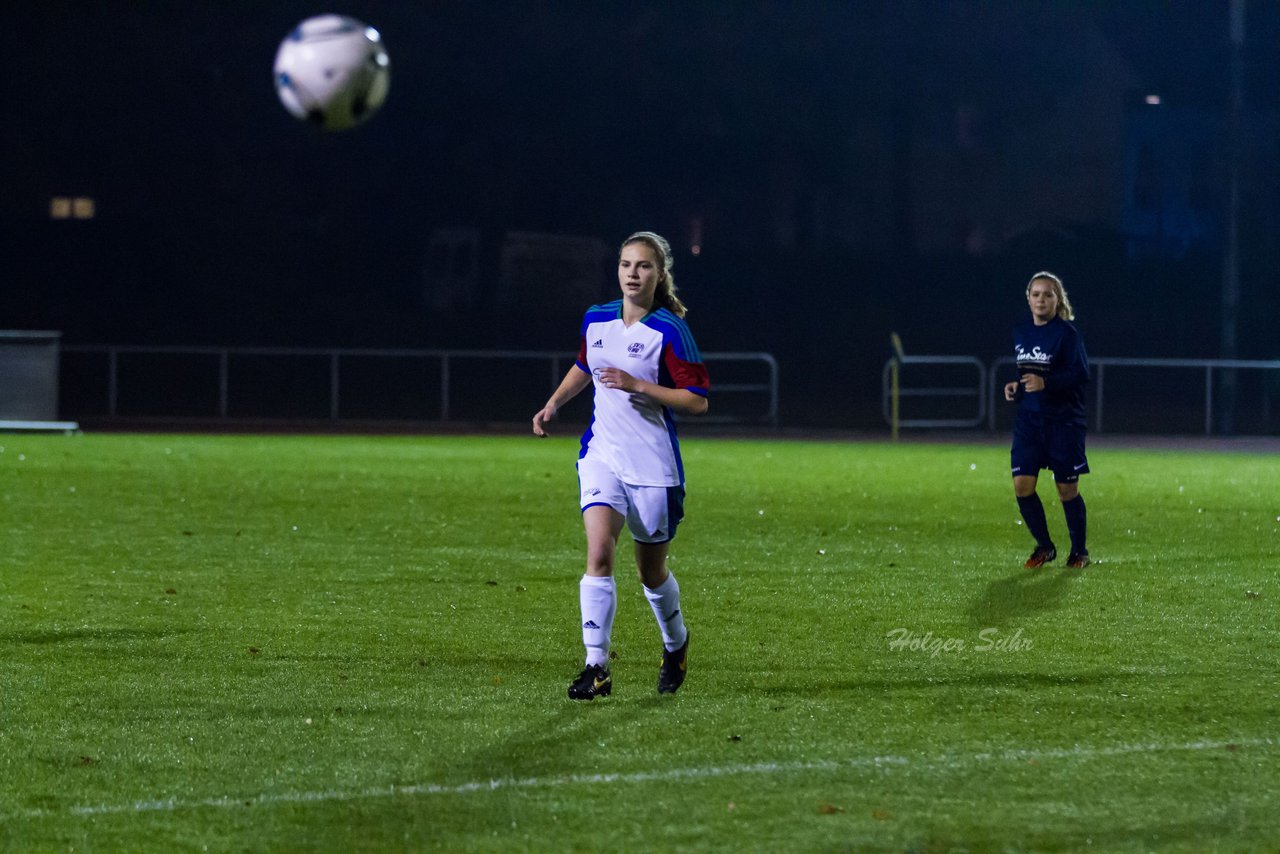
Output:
x=334 y=643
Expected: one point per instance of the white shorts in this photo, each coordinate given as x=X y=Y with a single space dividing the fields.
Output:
x=652 y=512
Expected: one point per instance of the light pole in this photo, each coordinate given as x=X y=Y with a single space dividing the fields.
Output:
x=1231 y=253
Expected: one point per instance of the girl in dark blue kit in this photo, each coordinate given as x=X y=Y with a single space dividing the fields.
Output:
x=1048 y=432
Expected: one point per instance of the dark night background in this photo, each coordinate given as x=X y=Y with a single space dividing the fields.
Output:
x=844 y=170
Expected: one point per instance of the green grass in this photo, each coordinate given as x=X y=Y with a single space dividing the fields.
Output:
x=290 y=643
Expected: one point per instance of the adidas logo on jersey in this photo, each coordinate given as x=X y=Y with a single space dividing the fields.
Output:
x=599 y=343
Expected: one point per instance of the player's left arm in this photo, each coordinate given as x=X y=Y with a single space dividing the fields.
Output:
x=686 y=401
x=682 y=400
x=1072 y=368
x=682 y=365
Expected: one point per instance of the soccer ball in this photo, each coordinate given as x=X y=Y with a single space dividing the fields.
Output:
x=332 y=71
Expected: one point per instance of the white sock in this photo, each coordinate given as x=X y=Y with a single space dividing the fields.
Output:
x=598 y=597
x=665 y=601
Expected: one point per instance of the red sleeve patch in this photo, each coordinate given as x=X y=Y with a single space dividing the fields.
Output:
x=687 y=375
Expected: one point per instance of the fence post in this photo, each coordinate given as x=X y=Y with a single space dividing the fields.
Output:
x=113 y=387
x=992 y=400
x=333 y=384
x=773 y=391
x=1208 y=400
x=1098 y=407
x=895 y=366
x=223 y=370
x=444 y=386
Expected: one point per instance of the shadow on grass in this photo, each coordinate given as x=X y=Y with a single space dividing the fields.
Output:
x=1029 y=592
x=539 y=747
x=52 y=636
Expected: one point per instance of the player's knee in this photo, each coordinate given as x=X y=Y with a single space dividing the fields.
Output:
x=652 y=576
x=651 y=564
x=600 y=562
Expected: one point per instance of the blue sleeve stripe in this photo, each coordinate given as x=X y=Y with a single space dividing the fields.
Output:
x=601 y=314
x=605 y=311
x=690 y=349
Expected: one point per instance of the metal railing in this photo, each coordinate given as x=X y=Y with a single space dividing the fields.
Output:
x=966 y=391
x=769 y=386
x=988 y=388
x=557 y=363
x=1098 y=367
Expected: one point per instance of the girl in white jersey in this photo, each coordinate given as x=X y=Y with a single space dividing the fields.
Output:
x=640 y=357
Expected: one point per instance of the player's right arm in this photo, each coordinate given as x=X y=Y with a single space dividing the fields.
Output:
x=1013 y=390
x=574 y=382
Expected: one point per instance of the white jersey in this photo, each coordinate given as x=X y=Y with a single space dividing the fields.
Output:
x=631 y=433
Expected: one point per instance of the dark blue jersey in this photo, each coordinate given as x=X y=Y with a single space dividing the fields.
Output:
x=1056 y=352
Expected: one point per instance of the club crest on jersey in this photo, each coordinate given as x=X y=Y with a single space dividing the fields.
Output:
x=636 y=350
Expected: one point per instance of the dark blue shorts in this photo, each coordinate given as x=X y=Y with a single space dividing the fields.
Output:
x=1041 y=443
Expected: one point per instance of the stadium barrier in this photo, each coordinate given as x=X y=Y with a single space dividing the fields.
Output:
x=1165 y=396
x=29 y=382
x=1146 y=395
x=953 y=369
x=284 y=383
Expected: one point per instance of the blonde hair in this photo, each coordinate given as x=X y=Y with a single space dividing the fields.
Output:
x=665 y=294
x=1064 y=305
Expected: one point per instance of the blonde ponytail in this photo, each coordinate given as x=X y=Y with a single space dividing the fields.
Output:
x=665 y=294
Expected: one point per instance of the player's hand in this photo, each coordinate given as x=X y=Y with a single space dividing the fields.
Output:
x=1011 y=391
x=541 y=418
x=1032 y=382
x=619 y=379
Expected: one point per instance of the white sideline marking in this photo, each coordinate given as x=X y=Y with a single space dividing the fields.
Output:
x=425 y=789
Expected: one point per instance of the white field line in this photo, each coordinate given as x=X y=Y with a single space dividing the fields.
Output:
x=947 y=760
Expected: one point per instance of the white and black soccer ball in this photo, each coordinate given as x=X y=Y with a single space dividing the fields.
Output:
x=332 y=71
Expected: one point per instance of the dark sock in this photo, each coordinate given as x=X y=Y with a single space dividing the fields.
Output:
x=1033 y=515
x=1074 y=511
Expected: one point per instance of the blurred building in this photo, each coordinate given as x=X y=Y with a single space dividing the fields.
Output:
x=1171 y=174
